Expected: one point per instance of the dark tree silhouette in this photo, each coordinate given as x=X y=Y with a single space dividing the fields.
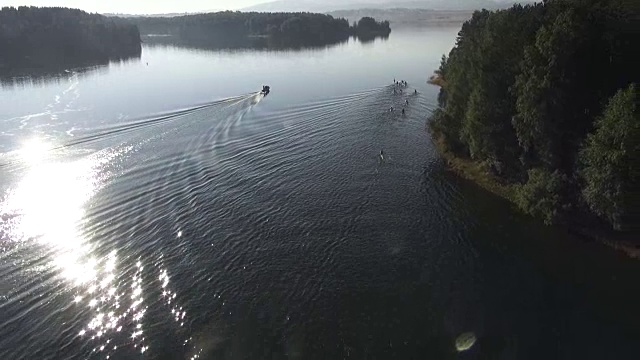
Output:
x=43 y=37
x=368 y=26
x=243 y=29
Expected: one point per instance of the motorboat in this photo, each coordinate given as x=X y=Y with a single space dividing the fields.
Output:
x=265 y=90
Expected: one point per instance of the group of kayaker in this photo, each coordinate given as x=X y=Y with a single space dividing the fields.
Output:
x=400 y=83
x=397 y=87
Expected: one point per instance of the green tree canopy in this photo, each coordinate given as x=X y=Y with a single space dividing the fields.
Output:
x=522 y=89
x=611 y=161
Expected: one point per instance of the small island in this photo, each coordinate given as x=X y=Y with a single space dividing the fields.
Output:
x=368 y=27
x=234 y=29
x=540 y=104
x=32 y=37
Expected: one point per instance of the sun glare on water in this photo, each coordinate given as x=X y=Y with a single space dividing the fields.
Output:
x=46 y=210
x=34 y=151
x=47 y=206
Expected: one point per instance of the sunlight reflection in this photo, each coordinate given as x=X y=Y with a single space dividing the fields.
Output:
x=108 y=294
x=47 y=208
x=34 y=151
x=48 y=204
x=176 y=311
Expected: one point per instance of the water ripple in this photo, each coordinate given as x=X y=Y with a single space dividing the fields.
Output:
x=242 y=192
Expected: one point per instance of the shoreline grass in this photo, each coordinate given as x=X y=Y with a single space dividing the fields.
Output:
x=479 y=174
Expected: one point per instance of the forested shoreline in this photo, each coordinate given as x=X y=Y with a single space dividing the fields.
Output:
x=241 y=29
x=51 y=37
x=545 y=98
x=32 y=37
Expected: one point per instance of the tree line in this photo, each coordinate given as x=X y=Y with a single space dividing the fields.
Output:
x=368 y=26
x=41 y=37
x=54 y=36
x=546 y=96
x=280 y=28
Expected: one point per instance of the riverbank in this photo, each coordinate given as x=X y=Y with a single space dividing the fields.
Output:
x=479 y=174
x=474 y=171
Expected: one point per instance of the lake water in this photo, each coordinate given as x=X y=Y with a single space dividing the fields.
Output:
x=161 y=208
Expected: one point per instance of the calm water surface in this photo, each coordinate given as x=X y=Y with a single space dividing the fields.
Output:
x=160 y=208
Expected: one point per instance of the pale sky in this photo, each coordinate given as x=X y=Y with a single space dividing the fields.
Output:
x=139 y=6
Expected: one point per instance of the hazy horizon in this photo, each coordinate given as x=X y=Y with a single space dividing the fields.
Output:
x=150 y=7
x=139 y=7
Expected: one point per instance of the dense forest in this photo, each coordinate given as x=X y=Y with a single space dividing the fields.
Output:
x=280 y=29
x=545 y=96
x=43 y=37
x=368 y=26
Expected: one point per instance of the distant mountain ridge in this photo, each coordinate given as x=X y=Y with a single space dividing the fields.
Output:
x=334 y=5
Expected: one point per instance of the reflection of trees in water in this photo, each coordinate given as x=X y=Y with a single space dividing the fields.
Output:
x=39 y=45
x=249 y=43
x=253 y=42
x=369 y=38
x=41 y=38
x=25 y=76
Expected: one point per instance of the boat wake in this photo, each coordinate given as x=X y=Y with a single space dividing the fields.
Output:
x=160 y=123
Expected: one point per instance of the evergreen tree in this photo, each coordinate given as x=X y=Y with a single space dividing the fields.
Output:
x=520 y=92
x=611 y=161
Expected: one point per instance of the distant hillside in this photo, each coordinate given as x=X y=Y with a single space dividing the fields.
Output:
x=408 y=17
x=333 y=5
